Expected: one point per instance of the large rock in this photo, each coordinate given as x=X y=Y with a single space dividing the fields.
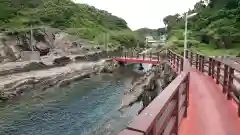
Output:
x=43 y=48
x=62 y=61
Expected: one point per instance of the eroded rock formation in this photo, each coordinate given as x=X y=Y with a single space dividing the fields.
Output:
x=149 y=86
x=16 y=84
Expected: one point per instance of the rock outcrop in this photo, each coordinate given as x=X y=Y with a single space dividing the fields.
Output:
x=16 y=84
x=48 y=41
x=149 y=86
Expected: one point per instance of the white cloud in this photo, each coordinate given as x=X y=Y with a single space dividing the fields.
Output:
x=142 y=13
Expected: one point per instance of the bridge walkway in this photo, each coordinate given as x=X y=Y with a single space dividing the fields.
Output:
x=209 y=111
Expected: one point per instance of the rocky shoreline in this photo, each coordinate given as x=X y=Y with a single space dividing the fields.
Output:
x=15 y=84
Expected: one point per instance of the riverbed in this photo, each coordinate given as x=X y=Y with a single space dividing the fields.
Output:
x=86 y=107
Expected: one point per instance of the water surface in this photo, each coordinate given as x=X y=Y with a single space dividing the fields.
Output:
x=86 y=107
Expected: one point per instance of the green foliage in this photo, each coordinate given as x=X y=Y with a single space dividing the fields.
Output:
x=147 y=32
x=126 y=38
x=78 y=19
x=216 y=25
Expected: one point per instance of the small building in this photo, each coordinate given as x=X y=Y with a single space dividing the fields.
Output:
x=150 y=41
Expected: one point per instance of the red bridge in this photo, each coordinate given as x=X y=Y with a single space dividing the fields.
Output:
x=202 y=100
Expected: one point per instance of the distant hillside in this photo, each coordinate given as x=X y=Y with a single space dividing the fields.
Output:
x=78 y=19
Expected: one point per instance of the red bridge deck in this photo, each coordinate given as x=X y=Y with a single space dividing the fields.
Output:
x=209 y=112
x=137 y=60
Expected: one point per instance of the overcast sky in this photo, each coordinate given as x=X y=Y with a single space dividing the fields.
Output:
x=142 y=13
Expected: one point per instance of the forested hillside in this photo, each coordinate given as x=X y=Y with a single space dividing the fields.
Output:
x=215 y=30
x=77 y=19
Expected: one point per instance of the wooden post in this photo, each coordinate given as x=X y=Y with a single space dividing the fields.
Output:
x=230 y=81
x=196 y=61
x=225 y=78
x=218 y=72
x=213 y=68
x=187 y=95
x=182 y=62
x=203 y=62
x=176 y=113
x=200 y=63
x=239 y=109
x=191 y=58
x=209 y=66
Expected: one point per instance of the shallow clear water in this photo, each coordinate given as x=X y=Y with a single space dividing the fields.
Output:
x=87 y=107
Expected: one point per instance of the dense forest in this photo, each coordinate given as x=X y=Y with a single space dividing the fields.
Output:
x=214 y=30
x=78 y=19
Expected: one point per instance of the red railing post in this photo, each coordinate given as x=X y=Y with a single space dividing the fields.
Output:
x=191 y=58
x=203 y=64
x=174 y=60
x=209 y=66
x=230 y=81
x=182 y=62
x=200 y=63
x=225 y=78
x=213 y=68
x=187 y=95
x=238 y=109
x=176 y=113
x=196 y=63
x=218 y=72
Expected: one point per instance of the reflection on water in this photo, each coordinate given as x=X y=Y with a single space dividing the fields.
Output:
x=87 y=107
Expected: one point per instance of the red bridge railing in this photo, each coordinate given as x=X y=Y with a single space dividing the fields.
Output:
x=224 y=71
x=164 y=114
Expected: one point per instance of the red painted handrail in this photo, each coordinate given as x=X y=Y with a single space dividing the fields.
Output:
x=221 y=70
x=165 y=112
